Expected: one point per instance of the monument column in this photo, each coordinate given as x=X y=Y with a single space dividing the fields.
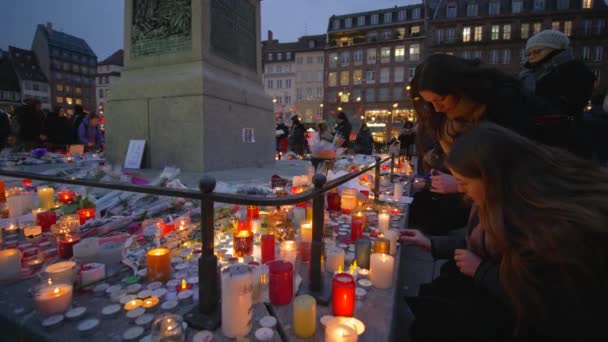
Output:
x=191 y=86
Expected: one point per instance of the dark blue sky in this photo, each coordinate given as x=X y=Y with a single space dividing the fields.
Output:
x=100 y=22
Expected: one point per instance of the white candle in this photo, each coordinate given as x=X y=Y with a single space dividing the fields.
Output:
x=10 y=264
x=32 y=231
x=306 y=231
x=299 y=215
x=256 y=226
x=335 y=331
x=92 y=273
x=288 y=251
x=335 y=259
x=53 y=299
x=46 y=197
x=264 y=335
x=62 y=272
x=398 y=191
x=237 y=301
x=383 y=221
x=86 y=250
x=392 y=236
x=381 y=270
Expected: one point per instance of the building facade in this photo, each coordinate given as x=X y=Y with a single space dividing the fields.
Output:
x=278 y=62
x=10 y=91
x=496 y=31
x=70 y=66
x=108 y=72
x=33 y=83
x=370 y=58
x=309 y=77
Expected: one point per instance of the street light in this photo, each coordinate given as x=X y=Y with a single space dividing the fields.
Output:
x=321 y=105
x=358 y=98
x=339 y=109
x=274 y=100
x=395 y=105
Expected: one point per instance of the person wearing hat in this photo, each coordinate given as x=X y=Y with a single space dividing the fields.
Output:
x=297 y=138
x=561 y=85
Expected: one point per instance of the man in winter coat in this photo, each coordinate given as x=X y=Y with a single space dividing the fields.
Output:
x=297 y=138
x=31 y=124
x=282 y=132
x=5 y=129
x=364 y=142
x=89 y=132
x=343 y=129
x=59 y=128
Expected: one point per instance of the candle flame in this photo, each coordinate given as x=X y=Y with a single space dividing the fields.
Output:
x=184 y=284
x=56 y=290
x=353 y=267
x=340 y=269
x=50 y=281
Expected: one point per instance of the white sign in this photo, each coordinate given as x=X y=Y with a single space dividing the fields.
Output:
x=248 y=135
x=135 y=154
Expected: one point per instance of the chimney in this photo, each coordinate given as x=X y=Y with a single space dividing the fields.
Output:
x=269 y=35
x=49 y=26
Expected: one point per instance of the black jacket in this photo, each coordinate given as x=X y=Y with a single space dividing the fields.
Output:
x=364 y=143
x=5 y=129
x=343 y=129
x=59 y=130
x=282 y=127
x=297 y=139
x=31 y=123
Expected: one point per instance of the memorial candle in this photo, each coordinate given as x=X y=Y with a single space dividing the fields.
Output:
x=397 y=192
x=46 y=197
x=348 y=200
x=333 y=201
x=10 y=264
x=28 y=183
x=37 y=211
x=299 y=215
x=61 y=272
x=158 y=262
x=268 y=248
x=253 y=213
x=392 y=236
x=65 y=245
x=381 y=270
x=243 y=244
x=335 y=331
x=256 y=226
x=343 y=295
x=335 y=259
x=306 y=231
x=288 y=251
x=382 y=246
x=304 y=316
x=356 y=226
x=383 y=221
x=53 y=299
x=32 y=231
x=280 y=282
x=183 y=286
x=86 y=214
x=65 y=196
x=46 y=220
x=363 y=249
x=237 y=301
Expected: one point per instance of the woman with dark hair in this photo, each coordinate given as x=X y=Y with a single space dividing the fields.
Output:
x=406 y=139
x=364 y=144
x=543 y=214
x=343 y=129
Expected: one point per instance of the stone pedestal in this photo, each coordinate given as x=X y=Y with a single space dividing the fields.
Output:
x=191 y=83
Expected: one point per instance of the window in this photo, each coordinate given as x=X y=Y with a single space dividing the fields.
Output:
x=357 y=76
x=370 y=76
x=439 y=36
x=587 y=4
x=357 y=57
x=386 y=35
x=384 y=75
x=472 y=10
x=279 y=56
x=506 y=56
x=288 y=56
x=388 y=17
x=401 y=15
x=506 y=31
x=348 y=22
x=539 y=5
x=385 y=55
x=370 y=95
x=563 y=4
x=345 y=58
x=69 y=100
x=299 y=95
x=78 y=101
x=585 y=53
x=466 y=34
x=287 y=83
x=587 y=26
x=269 y=84
x=311 y=44
x=555 y=25
x=411 y=71
x=495 y=32
x=319 y=92
x=466 y=54
x=344 y=78
x=536 y=27
x=415 y=30
x=399 y=53
x=319 y=59
x=59 y=87
x=399 y=74
x=336 y=24
x=279 y=83
x=299 y=60
x=59 y=99
x=361 y=20
x=525 y=31
x=398 y=93
x=278 y=69
x=332 y=79
x=371 y=56
x=451 y=35
x=383 y=94
x=517 y=6
x=494 y=8
x=416 y=13
x=414 y=52
x=478 y=33
x=597 y=73
x=333 y=60
x=287 y=99
x=374 y=19
x=599 y=26
x=568 y=27
x=451 y=11
x=599 y=52
x=107 y=79
x=493 y=56
x=78 y=90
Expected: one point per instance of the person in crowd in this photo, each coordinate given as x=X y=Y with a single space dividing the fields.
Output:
x=364 y=143
x=5 y=129
x=77 y=118
x=89 y=132
x=30 y=119
x=563 y=85
x=59 y=128
x=282 y=132
x=324 y=133
x=343 y=129
x=406 y=139
x=297 y=136
x=534 y=266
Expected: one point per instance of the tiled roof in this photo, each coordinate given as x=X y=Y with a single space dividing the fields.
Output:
x=25 y=64
x=67 y=41
x=8 y=77
x=115 y=59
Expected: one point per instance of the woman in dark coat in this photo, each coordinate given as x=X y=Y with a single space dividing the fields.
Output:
x=364 y=142
x=59 y=128
x=343 y=129
x=297 y=136
x=406 y=138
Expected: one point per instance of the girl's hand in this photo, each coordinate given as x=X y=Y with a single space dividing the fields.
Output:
x=467 y=261
x=416 y=238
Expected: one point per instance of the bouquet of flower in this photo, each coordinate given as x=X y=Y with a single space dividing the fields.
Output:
x=321 y=148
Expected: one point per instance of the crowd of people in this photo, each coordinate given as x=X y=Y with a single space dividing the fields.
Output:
x=30 y=127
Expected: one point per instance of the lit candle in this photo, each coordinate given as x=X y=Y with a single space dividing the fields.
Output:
x=2 y=192
x=65 y=196
x=243 y=243
x=46 y=197
x=382 y=246
x=268 y=248
x=158 y=262
x=339 y=332
x=335 y=259
x=61 y=272
x=352 y=322
x=299 y=216
x=392 y=236
x=280 y=284
x=28 y=183
x=10 y=264
x=150 y=303
x=256 y=226
x=309 y=214
x=363 y=248
x=398 y=191
x=288 y=251
x=253 y=213
x=237 y=301
x=86 y=214
x=306 y=231
x=37 y=211
x=183 y=286
x=70 y=222
x=381 y=270
x=343 y=295
x=356 y=226
x=304 y=316
x=53 y=299
x=168 y=327
x=348 y=200
x=65 y=245
x=31 y=232
x=133 y=304
x=383 y=221
x=46 y=220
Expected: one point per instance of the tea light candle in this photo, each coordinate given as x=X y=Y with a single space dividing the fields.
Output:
x=304 y=316
x=158 y=262
x=134 y=288
x=335 y=259
x=343 y=295
x=133 y=333
x=268 y=322
x=52 y=321
x=144 y=319
x=353 y=323
x=381 y=270
x=154 y=285
x=288 y=251
x=280 y=284
x=203 y=336
x=110 y=310
x=306 y=231
x=76 y=313
x=398 y=191
x=348 y=200
x=264 y=335
x=243 y=244
x=70 y=222
x=10 y=264
x=85 y=214
x=160 y=292
x=169 y=305
x=87 y=326
x=185 y=296
x=339 y=332
x=127 y=298
x=53 y=299
x=46 y=197
x=360 y=293
x=92 y=273
x=135 y=313
x=392 y=236
x=65 y=246
x=65 y=196
x=133 y=304
x=237 y=301
x=382 y=246
x=383 y=221
x=268 y=248
x=150 y=303
x=168 y=327
x=363 y=273
x=62 y=272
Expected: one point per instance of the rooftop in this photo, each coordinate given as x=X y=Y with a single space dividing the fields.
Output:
x=25 y=64
x=115 y=59
x=8 y=77
x=395 y=18
x=66 y=41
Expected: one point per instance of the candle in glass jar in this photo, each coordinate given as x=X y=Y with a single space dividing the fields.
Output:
x=335 y=331
x=382 y=246
x=183 y=286
x=343 y=295
x=46 y=220
x=61 y=272
x=256 y=226
x=53 y=299
x=397 y=192
x=133 y=304
x=65 y=245
x=167 y=327
x=243 y=244
x=268 y=248
x=383 y=221
x=333 y=201
x=10 y=264
x=158 y=262
x=381 y=270
x=86 y=214
x=150 y=303
x=70 y=222
x=304 y=316
x=348 y=200
x=46 y=197
x=65 y=196
x=237 y=301
x=306 y=231
x=37 y=211
x=356 y=226
x=363 y=249
x=335 y=259
x=33 y=231
x=253 y=213
x=392 y=236
x=280 y=282
x=288 y=251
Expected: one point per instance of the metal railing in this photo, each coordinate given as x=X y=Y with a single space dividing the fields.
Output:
x=207 y=316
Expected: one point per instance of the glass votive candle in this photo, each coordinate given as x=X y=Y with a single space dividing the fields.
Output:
x=243 y=243
x=343 y=295
x=50 y=298
x=168 y=327
x=86 y=214
x=46 y=220
x=65 y=245
x=65 y=196
x=280 y=284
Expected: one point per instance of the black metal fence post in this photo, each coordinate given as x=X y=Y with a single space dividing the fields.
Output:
x=392 y=166
x=377 y=180
x=318 y=223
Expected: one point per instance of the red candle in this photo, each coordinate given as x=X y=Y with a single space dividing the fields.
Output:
x=65 y=196
x=27 y=183
x=356 y=227
x=86 y=214
x=333 y=201
x=297 y=190
x=268 y=253
x=395 y=211
x=384 y=167
x=183 y=286
x=253 y=213
x=304 y=247
x=243 y=244
x=243 y=226
x=280 y=282
x=343 y=295
x=46 y=220
x=168 y=228
x=66 y=244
